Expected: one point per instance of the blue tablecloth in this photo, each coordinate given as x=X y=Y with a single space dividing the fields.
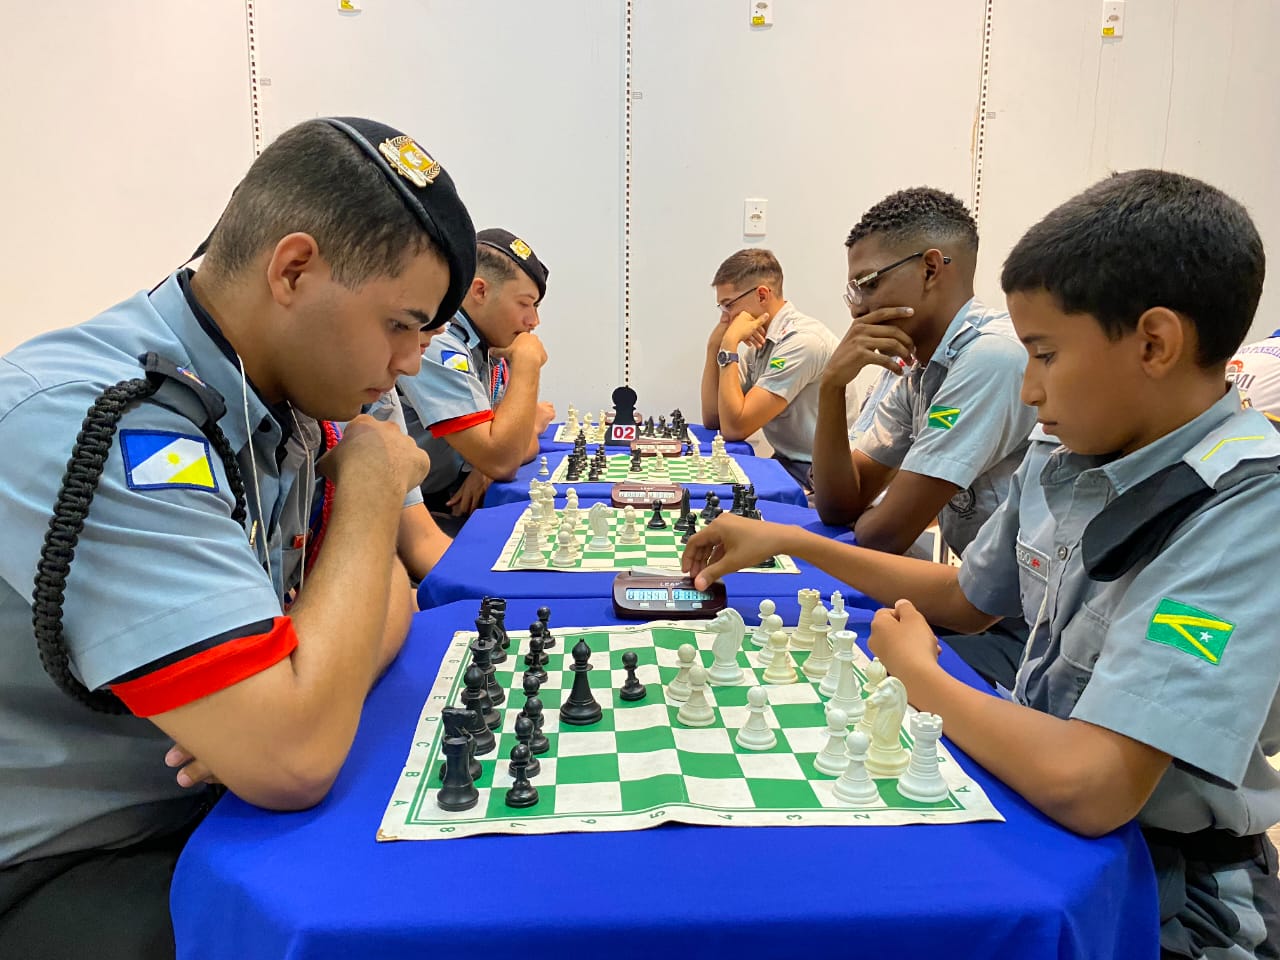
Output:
x=464 y=572
x=703 y=434
x=316 y=885
x=772 y=482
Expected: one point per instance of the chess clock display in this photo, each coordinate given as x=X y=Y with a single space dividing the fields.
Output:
x=644 y=596
x=640 y=495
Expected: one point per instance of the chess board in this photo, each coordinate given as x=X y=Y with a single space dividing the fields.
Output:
x=596 y=435
x=680 y=470
x=657 y=548
x=638 y=767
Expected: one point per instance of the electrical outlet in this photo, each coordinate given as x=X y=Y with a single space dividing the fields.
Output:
x=1113 y=18
x=755 y=217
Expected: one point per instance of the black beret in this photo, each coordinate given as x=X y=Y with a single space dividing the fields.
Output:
x=428 y=191
x=504 y=241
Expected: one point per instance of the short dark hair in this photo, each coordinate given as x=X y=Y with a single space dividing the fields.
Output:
x=496 y=267
x=753 y=265
x=1143 y=239
x=312 y=179
x=919 y=217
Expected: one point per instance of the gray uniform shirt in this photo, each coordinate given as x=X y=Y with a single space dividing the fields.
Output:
x=452 y=391
x=959 y=418
x=1179 y=652
x=160 y=565
x=795 y=353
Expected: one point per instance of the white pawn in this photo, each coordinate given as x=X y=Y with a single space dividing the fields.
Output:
x=760 y=635
x=571 y=506
x=923 y=781
x=542 y=467
x=755 y=734
x=660 y=465
x=781 y=669
x=630 y=532
x=531 y=551
x=697 y=710
x=564 y=555
x=855 y=786
x=699 y=469
x=876 y=673
x=833 y=759
x=848 y=695
x=815 y=665
x=678 y=689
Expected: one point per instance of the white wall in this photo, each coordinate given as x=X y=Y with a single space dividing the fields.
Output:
x=123 y=137
x=1192 y=86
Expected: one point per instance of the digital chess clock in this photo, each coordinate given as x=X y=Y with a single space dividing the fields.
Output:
x=661 y=595
x=652 y=446
x=642 y=495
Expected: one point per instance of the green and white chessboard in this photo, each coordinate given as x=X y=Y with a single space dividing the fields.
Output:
x=638 y=767
x=682 y=470
x=595 y=434
x=657 y=548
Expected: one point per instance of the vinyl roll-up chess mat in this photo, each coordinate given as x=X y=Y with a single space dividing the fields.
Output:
x=682 y=470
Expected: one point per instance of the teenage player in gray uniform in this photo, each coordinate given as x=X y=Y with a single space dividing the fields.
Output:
x=1137 y=543
x=474 y=404
x=1255 y=370
x=763 y=361
x=949 y=429
x=157 y=447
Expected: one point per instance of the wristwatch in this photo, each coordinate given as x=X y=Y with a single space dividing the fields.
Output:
x=724 y=358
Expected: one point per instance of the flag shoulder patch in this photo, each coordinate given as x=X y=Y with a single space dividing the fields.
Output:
x=159 y=460
x=1198 y=632
x=778 y=363
x=943 y=417
x=455 y=361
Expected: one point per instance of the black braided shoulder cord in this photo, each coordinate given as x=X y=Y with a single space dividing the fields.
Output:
x=84 y=470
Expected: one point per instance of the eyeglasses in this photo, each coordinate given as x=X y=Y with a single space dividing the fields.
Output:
x=854 y=291
x=724 y=307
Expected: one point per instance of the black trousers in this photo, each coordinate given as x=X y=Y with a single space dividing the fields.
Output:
x=106 y=904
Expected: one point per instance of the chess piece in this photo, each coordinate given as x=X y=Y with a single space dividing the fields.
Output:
x=632 y=688
x=564 y=555
x=848 y=692
x=548 y=639
x=729 y=630
x=683 y=512
x=637 y=462
x=709 y=507
x=656 y=522
x=455 y=720
x=838 y=616
x=697 y=710
x=475 y=697
x=690 y=527
x=833 y=758
x=598 y=521
x=815 y=665
x=522 y=793
x=781 y=669
x=542 y=467
x=539 y=744
x=581 y=709
x=802 y=636
x=524 y=734
x=678 y=688
x=531 y=545
x=481 y=651
x=630 y=532
x=876 y=674
x=923 y=780
x=458 y=792
x=530 y=684
x=855 y=786
x=571 y=506
x=887 y=756
x=535 y=659
x=755 y=734
x=760 y=636
x=660 y=465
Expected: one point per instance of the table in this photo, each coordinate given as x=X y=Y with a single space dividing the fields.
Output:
x=704 y=436
x=464 y=572
x=315 y=885
x=772 y=482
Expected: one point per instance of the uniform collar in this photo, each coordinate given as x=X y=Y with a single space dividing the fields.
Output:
x=782 y=323
x=964 y=326
x=211 y=357
x=470 y=332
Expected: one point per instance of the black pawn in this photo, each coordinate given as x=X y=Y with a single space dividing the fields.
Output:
x=476 y=698
x=656 y=522
x=533 y=661
x=524 y=734
x=481 y=656
x=455 y=725
x=533 y=708
x=531 y=685
x=581 y=709
x=632 y=689
x=691 y=527
x=458 y=792
x=709 y=506
x=522 y=793
x=548 y=641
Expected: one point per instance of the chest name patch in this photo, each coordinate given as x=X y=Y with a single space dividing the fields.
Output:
x=1202 y=634
x=158 y=460
x=1032 y=561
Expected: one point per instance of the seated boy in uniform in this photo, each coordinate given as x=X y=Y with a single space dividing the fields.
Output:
x=1138 y=545
x=763 y=361
x=945 y=427
x=1255 y=370
x=473 y=406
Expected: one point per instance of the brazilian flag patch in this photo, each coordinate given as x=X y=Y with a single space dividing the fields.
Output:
x=944 y=418
x=777 y=363
x=1194 y=631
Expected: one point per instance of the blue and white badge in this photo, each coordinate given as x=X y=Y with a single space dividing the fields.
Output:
x=455 y=361
x=157 y=460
